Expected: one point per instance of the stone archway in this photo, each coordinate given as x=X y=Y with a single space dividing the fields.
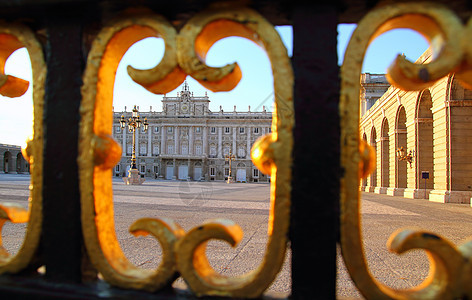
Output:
x=384 y=158
x=364 y=180
x=7 y=162
x=401 y=141
x=19 y=163
x=197 y=171
x=424 y=153
x=373 y=144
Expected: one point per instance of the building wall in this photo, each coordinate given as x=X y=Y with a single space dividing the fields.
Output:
x=435 y=124
x=186 y=135
x=12 y=160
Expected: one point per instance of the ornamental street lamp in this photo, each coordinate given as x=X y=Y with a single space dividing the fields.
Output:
x=230 y=158
x=401 y=154
x=133 y=123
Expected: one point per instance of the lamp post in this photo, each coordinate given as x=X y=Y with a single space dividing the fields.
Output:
x=230 y=157
x=134 y=123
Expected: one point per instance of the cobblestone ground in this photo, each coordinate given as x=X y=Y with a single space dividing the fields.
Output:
x=191 y=203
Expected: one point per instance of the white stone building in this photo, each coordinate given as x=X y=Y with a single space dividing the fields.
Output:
x=188 y=141
x=373 y=86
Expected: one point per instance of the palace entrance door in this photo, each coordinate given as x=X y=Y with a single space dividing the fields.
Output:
x=183 y=172
x=169 y=172
x=241 y=175
x=197 y=173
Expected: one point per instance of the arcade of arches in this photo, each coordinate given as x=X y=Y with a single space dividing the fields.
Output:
x=12 y=160
x=436 y=126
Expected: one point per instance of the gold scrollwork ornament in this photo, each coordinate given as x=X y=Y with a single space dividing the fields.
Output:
x=184 y=54
x=450 y=267
x=13 y=37
x=193 y=42
x=99 y=152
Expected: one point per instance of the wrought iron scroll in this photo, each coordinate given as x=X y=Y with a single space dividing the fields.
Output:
x=13 y=37
x=450 y=275
x=185 y=52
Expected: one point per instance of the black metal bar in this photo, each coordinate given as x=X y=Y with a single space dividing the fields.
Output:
x=315 y=185
x=61 y=236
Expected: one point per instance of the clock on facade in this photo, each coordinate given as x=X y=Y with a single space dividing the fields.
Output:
x=184 y=108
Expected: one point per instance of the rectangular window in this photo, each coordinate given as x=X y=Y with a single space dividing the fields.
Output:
x=129 y=150
x=155 y=150
x=256 y=130
x=143 y=150
x=156 y=129
x=226 y=171
x=156 y=169
x=170 y=149
x=118 y=129
x=212 y=171
x=256 y=173
x=241 y=152
x=198 y=129
x=227 y=129
x=143 y=169
x=241 y=129
x=117 y=168
x=184 y=149
x=269 y=130
x=198 y=150
x=213 y=151
x=212 y=129
x=169 y=129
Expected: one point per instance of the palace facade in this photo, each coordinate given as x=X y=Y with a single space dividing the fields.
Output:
x=434 y=125
x=187 y=141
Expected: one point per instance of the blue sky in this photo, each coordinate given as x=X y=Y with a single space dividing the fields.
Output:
x=255 y=88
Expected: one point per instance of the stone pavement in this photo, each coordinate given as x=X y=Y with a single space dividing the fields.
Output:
x=191 y=203
x=381 y=216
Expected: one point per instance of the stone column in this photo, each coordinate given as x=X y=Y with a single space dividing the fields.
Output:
x=205 y=140
x=175 y=170
x=176 y=140
x=220 y=142
x=234 y=140
x=163 y=149
x=204 y=170
x=190 y=140
x=149 y=150
x=248 y=145
x=123 y=144
x=384 y=161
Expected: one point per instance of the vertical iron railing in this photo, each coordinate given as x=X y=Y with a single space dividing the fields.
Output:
x=315 y=181
x=61 y=244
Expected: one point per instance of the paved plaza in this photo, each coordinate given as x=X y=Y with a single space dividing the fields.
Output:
x=191 y=203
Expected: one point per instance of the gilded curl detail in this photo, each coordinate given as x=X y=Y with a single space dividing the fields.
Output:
x=185 y=52
x=450 y=266
x=13 y=37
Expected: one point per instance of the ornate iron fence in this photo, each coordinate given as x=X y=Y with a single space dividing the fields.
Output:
x=74 y=57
